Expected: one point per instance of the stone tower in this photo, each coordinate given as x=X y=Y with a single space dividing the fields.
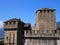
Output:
x=45 y=19
x=43 y=33
x=13 y=32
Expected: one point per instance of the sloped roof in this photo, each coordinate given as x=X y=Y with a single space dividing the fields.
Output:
x=13 y=19
x=27 y=25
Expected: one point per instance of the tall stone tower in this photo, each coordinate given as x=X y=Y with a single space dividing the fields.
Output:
x=45 y=19
x=43 y=33
x=13 y=32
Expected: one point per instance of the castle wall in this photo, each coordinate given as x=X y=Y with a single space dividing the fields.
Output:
x=39 y=42
x=43 y=33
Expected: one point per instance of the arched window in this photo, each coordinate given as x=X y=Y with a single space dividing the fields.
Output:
x=40 y=11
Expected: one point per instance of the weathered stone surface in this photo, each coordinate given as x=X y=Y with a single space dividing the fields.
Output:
x=43 y=33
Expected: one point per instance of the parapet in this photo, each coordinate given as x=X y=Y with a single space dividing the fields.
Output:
x=41 y=35
x=12 y=23
x=46 y=10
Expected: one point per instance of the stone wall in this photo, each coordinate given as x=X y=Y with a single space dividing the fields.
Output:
x=39 y=42
x=10 y=37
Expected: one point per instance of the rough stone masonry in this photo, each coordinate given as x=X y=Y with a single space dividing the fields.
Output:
x=44 y=32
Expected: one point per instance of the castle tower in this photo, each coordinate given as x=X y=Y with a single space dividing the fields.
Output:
x=45 y=19
x=13 y=32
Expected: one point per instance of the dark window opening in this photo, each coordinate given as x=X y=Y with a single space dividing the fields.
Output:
x=55 y=31
x=40 y=11
x=26 y=31
x=14 y=22
x=44 y=11
x=6 y=23
x=48 y=11
x=10 y=22
x=7 y=38
x=52 y=11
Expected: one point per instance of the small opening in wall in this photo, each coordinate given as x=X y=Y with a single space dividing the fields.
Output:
x=26 y=31
x=6 y=23
x=55 y=31
x=44 y=11
x=52 y=11
x=40 y=11
x=7 y=38
x=14 y=22
x=48 y=11
x=10 y=22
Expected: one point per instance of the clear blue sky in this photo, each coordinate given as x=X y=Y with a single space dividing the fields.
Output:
x=25 y=9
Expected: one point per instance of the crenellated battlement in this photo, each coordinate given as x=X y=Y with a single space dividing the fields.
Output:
x=38 y=34
x=13 y=24
x=45 y=19
x=46 y=10
x=43 y=33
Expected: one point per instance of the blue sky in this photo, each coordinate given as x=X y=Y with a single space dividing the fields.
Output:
x=25 y=9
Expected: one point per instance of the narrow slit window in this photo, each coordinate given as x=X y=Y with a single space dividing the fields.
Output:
x=7 y=37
